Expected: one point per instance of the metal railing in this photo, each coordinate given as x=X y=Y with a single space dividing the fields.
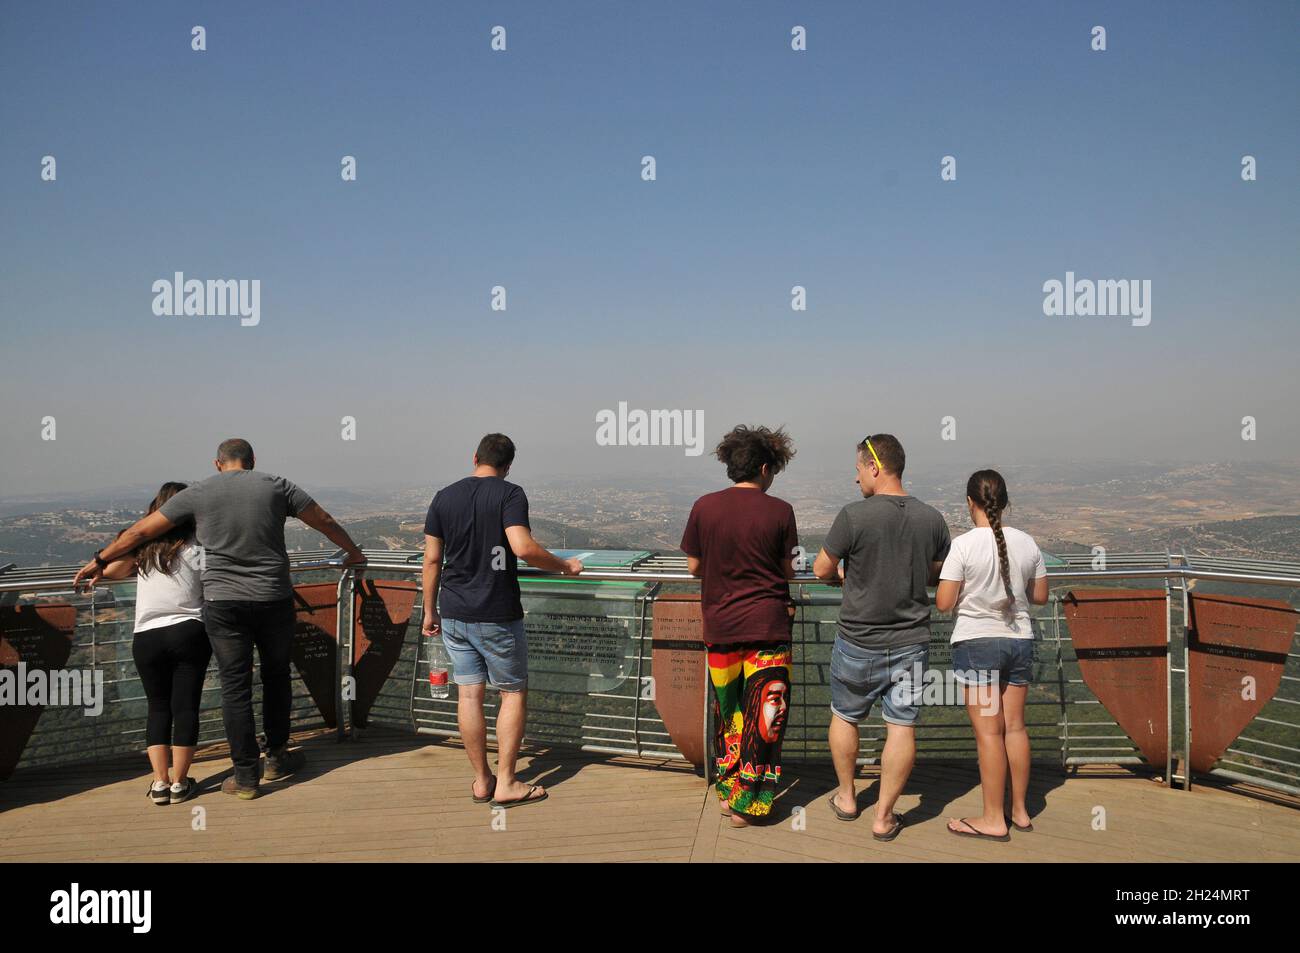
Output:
x=101 y=641
x=1062 y=713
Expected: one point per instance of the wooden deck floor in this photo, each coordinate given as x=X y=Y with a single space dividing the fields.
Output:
x=396 y=797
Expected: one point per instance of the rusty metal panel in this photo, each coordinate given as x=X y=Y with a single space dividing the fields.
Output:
x=381 y=613
x=1237 y=649
x=39 y=637
x=679 y=662
x=315 y=644
x=1121 y=641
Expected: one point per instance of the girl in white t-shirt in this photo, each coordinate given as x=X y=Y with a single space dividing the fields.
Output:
x=991 y=577
x=170 y=649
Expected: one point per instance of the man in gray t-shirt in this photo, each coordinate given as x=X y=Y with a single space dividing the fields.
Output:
x=889 y=545
x=892 y=546
x=238 y=517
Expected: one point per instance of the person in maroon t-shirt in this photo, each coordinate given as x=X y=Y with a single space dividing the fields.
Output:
x=742 y=544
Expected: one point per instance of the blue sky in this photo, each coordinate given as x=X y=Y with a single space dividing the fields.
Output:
x=522 y=169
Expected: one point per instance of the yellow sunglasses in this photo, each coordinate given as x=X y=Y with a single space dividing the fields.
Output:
x=874 y=455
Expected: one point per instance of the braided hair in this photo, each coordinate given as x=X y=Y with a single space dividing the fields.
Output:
x=989 y=491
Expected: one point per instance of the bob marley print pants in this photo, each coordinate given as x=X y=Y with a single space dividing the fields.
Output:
x=751 y=698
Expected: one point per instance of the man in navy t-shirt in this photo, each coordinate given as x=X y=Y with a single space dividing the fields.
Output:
x=474 y=536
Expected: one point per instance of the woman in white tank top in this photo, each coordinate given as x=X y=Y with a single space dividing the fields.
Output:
x=170 y=648
x=991 y=577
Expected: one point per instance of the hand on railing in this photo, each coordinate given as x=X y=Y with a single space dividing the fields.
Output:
x=87 y=575
x=356 y=561
x=573 y=567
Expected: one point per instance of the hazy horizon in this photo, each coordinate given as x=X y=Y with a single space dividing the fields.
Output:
x=1087 y=472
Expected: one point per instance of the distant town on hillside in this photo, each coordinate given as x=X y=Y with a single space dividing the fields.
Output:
x=1236 y=509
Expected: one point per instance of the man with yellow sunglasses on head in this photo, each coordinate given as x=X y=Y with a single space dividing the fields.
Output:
x=892 y=546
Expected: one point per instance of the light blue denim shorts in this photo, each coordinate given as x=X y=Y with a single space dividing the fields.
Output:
x=860 y=676
x=990 y=660
x=495 y=652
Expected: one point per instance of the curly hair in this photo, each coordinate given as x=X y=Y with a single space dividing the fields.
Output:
x=745 y=450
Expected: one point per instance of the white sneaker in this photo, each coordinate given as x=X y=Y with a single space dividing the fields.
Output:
x=183 y=790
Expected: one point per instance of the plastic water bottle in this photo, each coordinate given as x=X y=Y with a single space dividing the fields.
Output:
x=439 y=669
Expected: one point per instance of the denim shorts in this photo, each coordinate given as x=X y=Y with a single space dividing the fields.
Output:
x=859 y=676
x=987 y=660
x=496 y=652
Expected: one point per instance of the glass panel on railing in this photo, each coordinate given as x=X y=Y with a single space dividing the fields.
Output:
x=584 y=657
x=581 y=640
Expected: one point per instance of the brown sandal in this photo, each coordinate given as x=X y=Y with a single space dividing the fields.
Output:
x=892 y=832
x=842 y=814
x=526 y=799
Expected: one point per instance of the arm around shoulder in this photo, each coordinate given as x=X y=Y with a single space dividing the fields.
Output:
x=138 y=533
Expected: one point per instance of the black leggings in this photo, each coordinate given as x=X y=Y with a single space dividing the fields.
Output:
x=172 y=662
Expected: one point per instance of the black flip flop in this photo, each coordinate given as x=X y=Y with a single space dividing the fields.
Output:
x=892 y=832
x=1027 y=829
x=842 y=814
x=526 y=799
x=483 y=800
x=975 y=832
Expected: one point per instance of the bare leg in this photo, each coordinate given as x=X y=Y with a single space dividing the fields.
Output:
x=896 y=763
x=511 y=719
x=182 y=758
x=1017 y=745
x=473 y=733
x=843 y=737
x=160 y=761
x=986 y=719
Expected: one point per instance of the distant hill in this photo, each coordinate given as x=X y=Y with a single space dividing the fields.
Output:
x=386 y=532
x=1263 y=537
x=71 y=536
x=1228 y=509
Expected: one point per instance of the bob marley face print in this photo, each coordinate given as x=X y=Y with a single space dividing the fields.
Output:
x=775 y=705
x=767 y=702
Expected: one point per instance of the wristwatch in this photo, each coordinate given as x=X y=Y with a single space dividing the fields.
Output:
x=101 y=563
